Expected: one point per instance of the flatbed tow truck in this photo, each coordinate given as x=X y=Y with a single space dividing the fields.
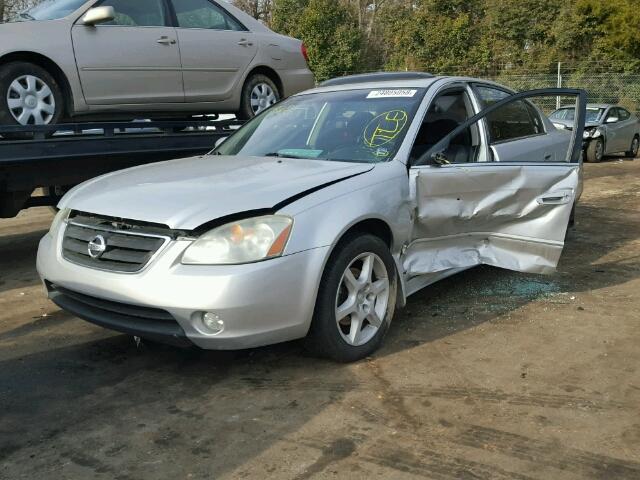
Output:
x=52 y=159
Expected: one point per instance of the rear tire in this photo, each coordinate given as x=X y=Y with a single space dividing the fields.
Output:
x=595 y=151
x=356 y=300
x=635 y=146
x=29 y=95
x=258 y=93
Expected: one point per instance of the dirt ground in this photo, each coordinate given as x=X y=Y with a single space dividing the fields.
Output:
x=487 y=375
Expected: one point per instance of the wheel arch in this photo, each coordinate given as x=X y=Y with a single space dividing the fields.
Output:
x=379 y=228
x=374 y=226
x=50 y=66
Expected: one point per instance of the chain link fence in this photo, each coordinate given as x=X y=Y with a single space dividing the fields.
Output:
x=603 y=85
x=616 y=87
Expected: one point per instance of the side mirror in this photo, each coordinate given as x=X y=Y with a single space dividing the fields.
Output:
x=219 y=142
x=97 y=15
x=612 y=120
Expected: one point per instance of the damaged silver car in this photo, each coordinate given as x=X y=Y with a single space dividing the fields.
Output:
x=321 y=215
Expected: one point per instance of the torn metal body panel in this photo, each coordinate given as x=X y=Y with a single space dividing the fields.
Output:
x=510 y=216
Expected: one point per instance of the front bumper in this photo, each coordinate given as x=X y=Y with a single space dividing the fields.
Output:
x=260 y=303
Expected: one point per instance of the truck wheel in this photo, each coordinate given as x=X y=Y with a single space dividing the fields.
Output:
x=595 y=151
x=258 y=93
x=356 y=300
x=633 y=151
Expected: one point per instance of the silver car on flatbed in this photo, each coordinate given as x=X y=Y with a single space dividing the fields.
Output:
x=608 y=129
x=125 y=59
x=320 y=216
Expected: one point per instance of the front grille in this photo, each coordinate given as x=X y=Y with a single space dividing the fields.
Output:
x=128 y=247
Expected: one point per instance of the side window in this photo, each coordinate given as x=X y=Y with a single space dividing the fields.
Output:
x=204 y=14
x=613 y=113
x=138 y=13
x=516 y=120
x=446 y=113
x=558 y=114
x=535 y=118
x=624 y=114
x=513 y=121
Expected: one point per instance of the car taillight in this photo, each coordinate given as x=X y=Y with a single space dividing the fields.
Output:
x=303 y=49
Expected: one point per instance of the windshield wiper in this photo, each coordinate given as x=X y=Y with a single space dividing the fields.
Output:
x=279 y=155
x=26 y=15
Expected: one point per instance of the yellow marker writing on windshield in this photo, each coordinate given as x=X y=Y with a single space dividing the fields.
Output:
x=384 y=128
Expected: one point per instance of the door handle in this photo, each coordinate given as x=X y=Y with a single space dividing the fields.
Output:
x=166 y=41
x=557 y=198
x=245 y=43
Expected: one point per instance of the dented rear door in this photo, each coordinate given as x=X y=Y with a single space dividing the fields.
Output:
x=511 y=211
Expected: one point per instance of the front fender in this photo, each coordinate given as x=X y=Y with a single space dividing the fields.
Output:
x=323 y=218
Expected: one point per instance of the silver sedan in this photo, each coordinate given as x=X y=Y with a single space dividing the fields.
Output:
x=320 y=216
x=608 y=129
x=127 y=59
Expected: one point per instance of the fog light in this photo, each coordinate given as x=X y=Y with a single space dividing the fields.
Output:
x=212 y=322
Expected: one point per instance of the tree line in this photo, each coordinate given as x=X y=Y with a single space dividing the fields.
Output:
x=475 y=37
x=480 y=37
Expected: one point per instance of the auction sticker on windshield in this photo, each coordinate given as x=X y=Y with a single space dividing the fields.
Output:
x=396 y=93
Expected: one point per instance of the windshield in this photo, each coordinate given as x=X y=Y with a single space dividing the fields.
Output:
x=593 y=114
x=353 y=126
x=50 y=10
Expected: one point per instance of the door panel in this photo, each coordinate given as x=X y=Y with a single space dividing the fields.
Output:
x=511 y=213
x=126 y=65
x=628 y=130
x=510 y=216
x=614 y=133
x=214 y=62
x=215 y=48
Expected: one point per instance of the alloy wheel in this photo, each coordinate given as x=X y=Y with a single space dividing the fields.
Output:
x=599 y=151
x=362 y=299
x=31 y=101
x=262 y=97
x=635 y=145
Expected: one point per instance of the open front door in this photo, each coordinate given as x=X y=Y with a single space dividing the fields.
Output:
x=499 y=189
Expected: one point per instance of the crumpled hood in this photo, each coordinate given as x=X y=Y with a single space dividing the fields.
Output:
x=189 y=192
x=569 y=123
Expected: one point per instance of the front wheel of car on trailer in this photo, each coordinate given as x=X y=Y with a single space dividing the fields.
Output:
x=595 y=151
x=356 y=300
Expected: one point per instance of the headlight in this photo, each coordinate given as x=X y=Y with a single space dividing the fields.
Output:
x=591 y=133
x=60 y=217
x=243 y=241
x=559 y=126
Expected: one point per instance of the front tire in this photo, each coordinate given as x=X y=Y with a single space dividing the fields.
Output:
x=356 y=300
x=595 y=151
x=258 y=93
x=29 y=95
x=635 y=145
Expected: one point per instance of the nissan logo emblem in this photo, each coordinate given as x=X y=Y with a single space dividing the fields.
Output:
x=97 y=246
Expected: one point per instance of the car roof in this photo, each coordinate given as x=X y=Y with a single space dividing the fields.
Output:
x=390 y=80
x=591 y=105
